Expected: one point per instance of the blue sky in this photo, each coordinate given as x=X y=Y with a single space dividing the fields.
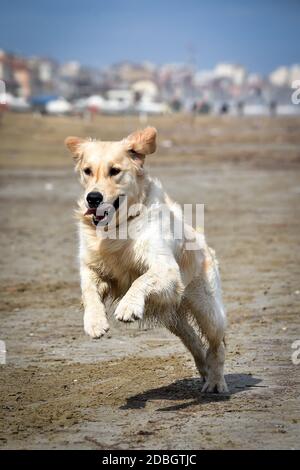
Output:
x=258 y=34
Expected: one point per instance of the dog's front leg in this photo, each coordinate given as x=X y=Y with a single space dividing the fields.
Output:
x=95 y=321
x=162 y=280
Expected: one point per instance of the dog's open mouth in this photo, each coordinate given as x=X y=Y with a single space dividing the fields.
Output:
x=104 y=212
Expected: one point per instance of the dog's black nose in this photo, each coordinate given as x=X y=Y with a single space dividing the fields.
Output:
x=94 y=199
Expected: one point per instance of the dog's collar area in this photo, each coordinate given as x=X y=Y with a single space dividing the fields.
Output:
x=131 y=217
x=116 y=203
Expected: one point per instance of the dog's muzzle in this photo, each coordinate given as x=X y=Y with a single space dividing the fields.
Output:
x=104 y=212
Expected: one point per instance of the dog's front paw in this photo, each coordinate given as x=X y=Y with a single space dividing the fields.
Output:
x=94 y=325
x=129 y=312
x=213 y=385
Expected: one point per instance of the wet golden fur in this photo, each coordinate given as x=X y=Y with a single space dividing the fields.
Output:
x=149 y=277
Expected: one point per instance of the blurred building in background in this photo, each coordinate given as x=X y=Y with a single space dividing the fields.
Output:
x=44 y=85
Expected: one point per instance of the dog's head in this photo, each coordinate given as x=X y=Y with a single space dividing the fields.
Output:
x=110 y=170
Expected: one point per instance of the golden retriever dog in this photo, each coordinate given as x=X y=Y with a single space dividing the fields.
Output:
x=149 y=274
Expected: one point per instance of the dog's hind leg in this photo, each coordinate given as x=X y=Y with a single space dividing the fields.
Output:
x=179 y=326
x=206 y=306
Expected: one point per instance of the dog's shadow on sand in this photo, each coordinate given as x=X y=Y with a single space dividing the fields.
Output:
x=189 y=392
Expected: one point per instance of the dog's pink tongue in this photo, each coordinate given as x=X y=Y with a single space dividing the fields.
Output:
x=100 y=210
x=90 y=211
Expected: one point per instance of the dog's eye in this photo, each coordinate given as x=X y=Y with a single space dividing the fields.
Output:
x=114 y=171
x=87 y=171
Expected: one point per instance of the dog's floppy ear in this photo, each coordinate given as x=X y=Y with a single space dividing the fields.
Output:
x=142 y=142
x=73 y=144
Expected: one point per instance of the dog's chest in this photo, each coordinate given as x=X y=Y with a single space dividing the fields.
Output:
x=115 y=263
